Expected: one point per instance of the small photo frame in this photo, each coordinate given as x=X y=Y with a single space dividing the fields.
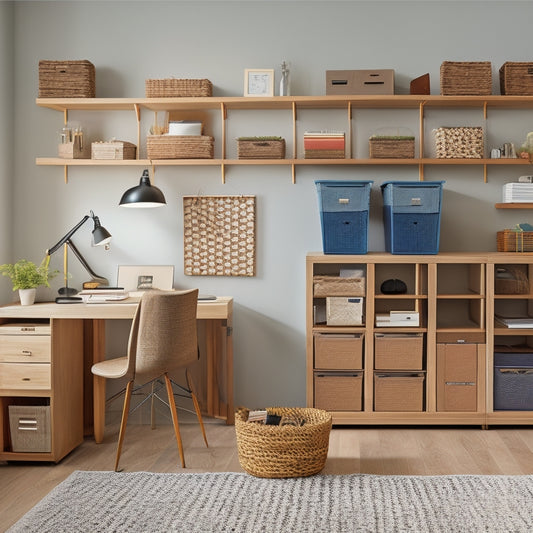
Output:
x=140 y=278
x=258 y=82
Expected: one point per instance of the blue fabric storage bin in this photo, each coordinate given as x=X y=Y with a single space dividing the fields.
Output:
x=344 y=207
x=513 y=381
x=411 y=216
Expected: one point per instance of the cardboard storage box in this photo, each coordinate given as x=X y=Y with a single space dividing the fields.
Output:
x=338 y=351
x=339 y=391
x=30 y=428
x=337 y=286
x=457 y=376
x=379 y=81
x=398 y=391
x=344 y=311
x=398 y=351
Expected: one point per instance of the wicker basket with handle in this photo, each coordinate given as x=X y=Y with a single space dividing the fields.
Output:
x=283 y=451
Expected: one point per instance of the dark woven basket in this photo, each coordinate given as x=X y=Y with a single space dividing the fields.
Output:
x=66 y=79
x=516 y=79
x=464 y=78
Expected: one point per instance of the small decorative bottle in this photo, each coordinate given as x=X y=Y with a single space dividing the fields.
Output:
x=284 y=87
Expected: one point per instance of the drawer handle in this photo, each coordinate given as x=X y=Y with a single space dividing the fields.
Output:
x=26 y=352
x=26 y=379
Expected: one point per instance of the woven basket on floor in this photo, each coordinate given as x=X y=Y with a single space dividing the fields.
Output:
x=463 y=78
x=180 y=147
x=66 y=79
x=172 y=87
x=283 y=451
x=516 y=78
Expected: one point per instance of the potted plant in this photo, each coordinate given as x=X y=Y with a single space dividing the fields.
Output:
x=27 y=276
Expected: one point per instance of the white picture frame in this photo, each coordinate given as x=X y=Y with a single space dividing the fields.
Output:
x=140 y=278
x=259 y=82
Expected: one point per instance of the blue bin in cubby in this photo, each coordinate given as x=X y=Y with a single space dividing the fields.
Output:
x=344 y=207
x=411 y=215
x=513 y=381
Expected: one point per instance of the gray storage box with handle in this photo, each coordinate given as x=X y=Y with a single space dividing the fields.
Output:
x=513 y=381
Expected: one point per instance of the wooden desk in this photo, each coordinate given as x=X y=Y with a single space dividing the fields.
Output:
x=216 y=316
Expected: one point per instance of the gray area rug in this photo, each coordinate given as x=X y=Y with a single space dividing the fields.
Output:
x=234 y=502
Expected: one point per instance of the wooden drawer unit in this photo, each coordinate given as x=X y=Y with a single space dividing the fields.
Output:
x=25 y=376
x=25 y=349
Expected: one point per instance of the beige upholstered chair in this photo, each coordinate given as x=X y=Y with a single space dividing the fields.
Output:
x=163 y=339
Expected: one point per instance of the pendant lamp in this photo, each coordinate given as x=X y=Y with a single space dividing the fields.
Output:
x=143 y=195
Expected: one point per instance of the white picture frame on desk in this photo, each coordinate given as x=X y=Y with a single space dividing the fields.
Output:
x=140 y=278
x=258 y=82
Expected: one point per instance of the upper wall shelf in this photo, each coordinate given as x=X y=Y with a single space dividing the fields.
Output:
x=292 y=104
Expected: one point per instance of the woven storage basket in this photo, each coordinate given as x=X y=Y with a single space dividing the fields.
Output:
x=66 y=79
x=515 y=280
x=516 y=78
x=283 y=451
x=180 y=147
x=463 y=78
x=324 y=286
x=388 y=148
x=514 y=241
x=459 y=143
x=261 y=148
x=113 y=150
x=178 y=87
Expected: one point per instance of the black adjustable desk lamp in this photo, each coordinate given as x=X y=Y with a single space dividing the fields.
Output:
x=100 y=237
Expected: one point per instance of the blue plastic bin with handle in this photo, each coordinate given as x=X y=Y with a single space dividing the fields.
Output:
x=344 y=207
x=411 y=216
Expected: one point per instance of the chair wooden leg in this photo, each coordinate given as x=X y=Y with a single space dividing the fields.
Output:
x=123 y=422
x=190 y=385
x=174 y=414
x=152 y=407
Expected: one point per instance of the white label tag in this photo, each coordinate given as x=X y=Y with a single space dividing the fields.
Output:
x=344 y=200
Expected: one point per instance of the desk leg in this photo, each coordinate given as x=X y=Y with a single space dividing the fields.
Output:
x=94 y=396
x=228 y=334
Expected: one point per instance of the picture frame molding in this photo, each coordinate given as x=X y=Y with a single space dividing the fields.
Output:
x=259 y=82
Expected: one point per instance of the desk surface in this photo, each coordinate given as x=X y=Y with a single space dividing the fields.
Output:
x=221 y=308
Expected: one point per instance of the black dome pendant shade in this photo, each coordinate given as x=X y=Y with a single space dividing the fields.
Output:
x=143 y=195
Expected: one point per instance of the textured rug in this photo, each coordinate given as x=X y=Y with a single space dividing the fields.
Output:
x=233 y=502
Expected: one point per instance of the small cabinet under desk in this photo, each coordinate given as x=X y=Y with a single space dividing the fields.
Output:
x=41 y=388
x=430 y=346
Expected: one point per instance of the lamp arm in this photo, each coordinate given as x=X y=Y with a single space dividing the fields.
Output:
x=82 y=260
x=67 y=237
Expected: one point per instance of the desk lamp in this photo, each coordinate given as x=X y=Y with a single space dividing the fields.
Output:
x=143 y=195
x=100 y=237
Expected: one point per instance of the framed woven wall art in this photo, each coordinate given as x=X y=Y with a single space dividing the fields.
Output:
x=219 y=235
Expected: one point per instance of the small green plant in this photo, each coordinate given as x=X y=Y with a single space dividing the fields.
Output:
x=27 y=275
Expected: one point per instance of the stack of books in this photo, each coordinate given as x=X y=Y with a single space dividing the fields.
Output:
x=103 y=294
x=518 y=192
x=396 y=319
x=324 y=144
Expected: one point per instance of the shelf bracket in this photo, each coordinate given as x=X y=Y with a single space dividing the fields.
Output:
x=223 y=173
x=293 y=173
x=138 y=116
x=65 y=173
x=224 y=114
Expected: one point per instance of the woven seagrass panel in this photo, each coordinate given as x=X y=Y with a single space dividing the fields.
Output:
x=219 y=235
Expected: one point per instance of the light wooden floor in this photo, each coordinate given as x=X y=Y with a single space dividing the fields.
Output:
x=369 y=450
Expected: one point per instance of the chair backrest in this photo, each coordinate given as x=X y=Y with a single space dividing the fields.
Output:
x=164 y=335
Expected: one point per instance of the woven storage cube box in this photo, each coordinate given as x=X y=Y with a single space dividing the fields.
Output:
x=516 y=78
x=172 y=87
x=514 y=241
x=342 y=351
x=337 y=286
x=398 y=392
x=283 y=451
x=344 y=310
x=390 y=148
x=261 y=148
x=66 y=79
x=113 y=150
x=511 y=279
x=338 y=391
x=180 y=147
x=462 y=78
x=398 y=351
x=459 y=143
x=30 y=428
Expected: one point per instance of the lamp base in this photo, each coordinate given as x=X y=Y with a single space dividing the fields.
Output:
x=69 y=300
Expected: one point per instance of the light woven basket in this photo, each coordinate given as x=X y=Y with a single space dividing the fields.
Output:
x=516 y=78
x=261 y=148
x=180 y=147
x=459 y=143
x=172 y=87
x=509 y=240
x=324 y=286
x=463 y=78
x=283 y=451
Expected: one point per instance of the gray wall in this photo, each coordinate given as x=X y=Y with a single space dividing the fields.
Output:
x=131 y=41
